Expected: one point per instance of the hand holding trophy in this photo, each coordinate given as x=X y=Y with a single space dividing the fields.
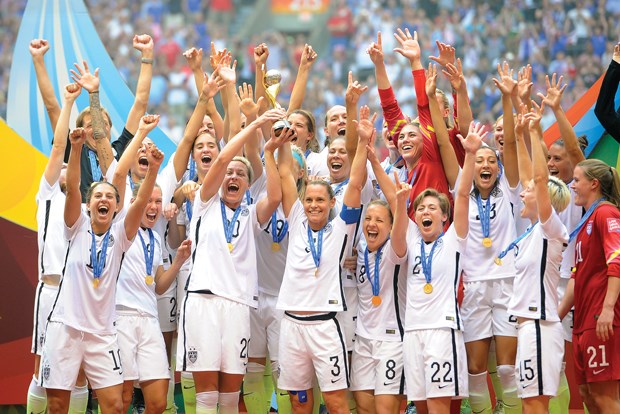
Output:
x=271 y=81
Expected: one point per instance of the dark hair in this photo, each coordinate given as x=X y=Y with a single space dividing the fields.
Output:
x=384 y=204
x=328 y=187
x=96 y=184
x=79 y=122
x=582 y=141
x=136 y=188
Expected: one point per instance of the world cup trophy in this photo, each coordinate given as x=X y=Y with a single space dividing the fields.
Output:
x=271 y=81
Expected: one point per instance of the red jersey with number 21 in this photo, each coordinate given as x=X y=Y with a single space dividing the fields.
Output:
x=597 y=257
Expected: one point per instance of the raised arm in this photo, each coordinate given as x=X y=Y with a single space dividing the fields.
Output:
x=216 y=173
x=267 y=205
x=252 y=147
x=38 y=48
x=352 y=97
x=136 y=209
x=209 y=89
x=506 y=84
x=228 y=77
x=90 y=82
x=385 y=183
x=54 y=164
x=308 y=57
x=524 y=86
x=446 y=151
x=164 y=278
x=552 y=100
x=525 y=163
x=459 y=86
x=147 y=124
x=605 y=109
x=366 y=132
x=540 y=172
x=73 y=201
x=261 y=53
x=287 y=178
x=471 y=144
x=143 y=43
x=401 y=219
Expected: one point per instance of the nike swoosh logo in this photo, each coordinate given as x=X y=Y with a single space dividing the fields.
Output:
x=442 y=386
x=247 y=393
x=189 y=388
x=385 y=384
x=598 y=371
x=335 y=381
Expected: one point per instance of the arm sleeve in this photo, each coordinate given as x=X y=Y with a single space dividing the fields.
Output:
x=554 y=229
x=605 y=107
x=430 y=151
x=350 y=215
x=118 y=146
x=391 y=111
x=609 y=227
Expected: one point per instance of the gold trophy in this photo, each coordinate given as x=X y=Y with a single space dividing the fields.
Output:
x=271 y=81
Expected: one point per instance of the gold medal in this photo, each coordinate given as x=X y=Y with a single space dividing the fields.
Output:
x=428 y=288
x=316 y=272
x=376 y=300
x=230 y=247
x=96 y=282
x=498 y=261
x=486 y=242
x=149 y=280
x=275 y=247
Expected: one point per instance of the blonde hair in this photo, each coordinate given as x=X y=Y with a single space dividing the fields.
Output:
x=607 y=177
x=248 y=166
x=446 y=105
x=79 y=122
x=298 y=156
x=559 y=194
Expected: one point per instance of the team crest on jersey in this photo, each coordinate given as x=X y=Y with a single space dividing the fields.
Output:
x=613 y=225
x=192 y=355
x=328 y=227
x=245 y=211
x=111 y=241
x=589 y=228
x=46 y=372
x=41 y=340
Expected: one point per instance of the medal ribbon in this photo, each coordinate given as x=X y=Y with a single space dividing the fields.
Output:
x=94 y=165
x=274 y=229
x=229 y=226
x=148 y=255
x=427 y=263
x=516 y=241
x=485 y=214
x=374 y=279
x=585 y=218
x=316 y=250
x=98 y=265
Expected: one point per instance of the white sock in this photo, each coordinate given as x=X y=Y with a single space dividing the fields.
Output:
x=37 y=398
x=479 y=396
x=79 y=399
x=229 y=402
x=512 y=402
x=206 y=402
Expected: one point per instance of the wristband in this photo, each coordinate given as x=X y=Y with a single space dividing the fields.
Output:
x=147 y=61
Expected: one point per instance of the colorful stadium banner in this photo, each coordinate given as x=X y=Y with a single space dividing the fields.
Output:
x=299 y=6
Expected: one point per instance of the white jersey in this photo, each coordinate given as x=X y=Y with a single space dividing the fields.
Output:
x=132 y=289
x=271 y=260
x=231 y=275
x=479 y=261
x=348 y=278
x=303 y=288
x=537 y=260
x=50 y=224
x=316 y=163
x=438 y=309
x=386 y=321
x=79 y=304
x=570 y=217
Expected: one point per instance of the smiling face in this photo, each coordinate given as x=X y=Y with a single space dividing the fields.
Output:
x=140 y=163
x=204 y=152
x=430 y=217
x=153 y=209
x=486 y=170
x=102 y=204
x=236 y=182
x=336 y=122
x=338 y=161
x=410 y=143
x=377 y=225
x=385 y=134
x=317 y=204
x=585 y=189
x=528 y=198
x=559 y=164
x=302 y=137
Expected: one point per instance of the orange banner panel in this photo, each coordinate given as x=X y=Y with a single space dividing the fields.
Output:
x=299 y=6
